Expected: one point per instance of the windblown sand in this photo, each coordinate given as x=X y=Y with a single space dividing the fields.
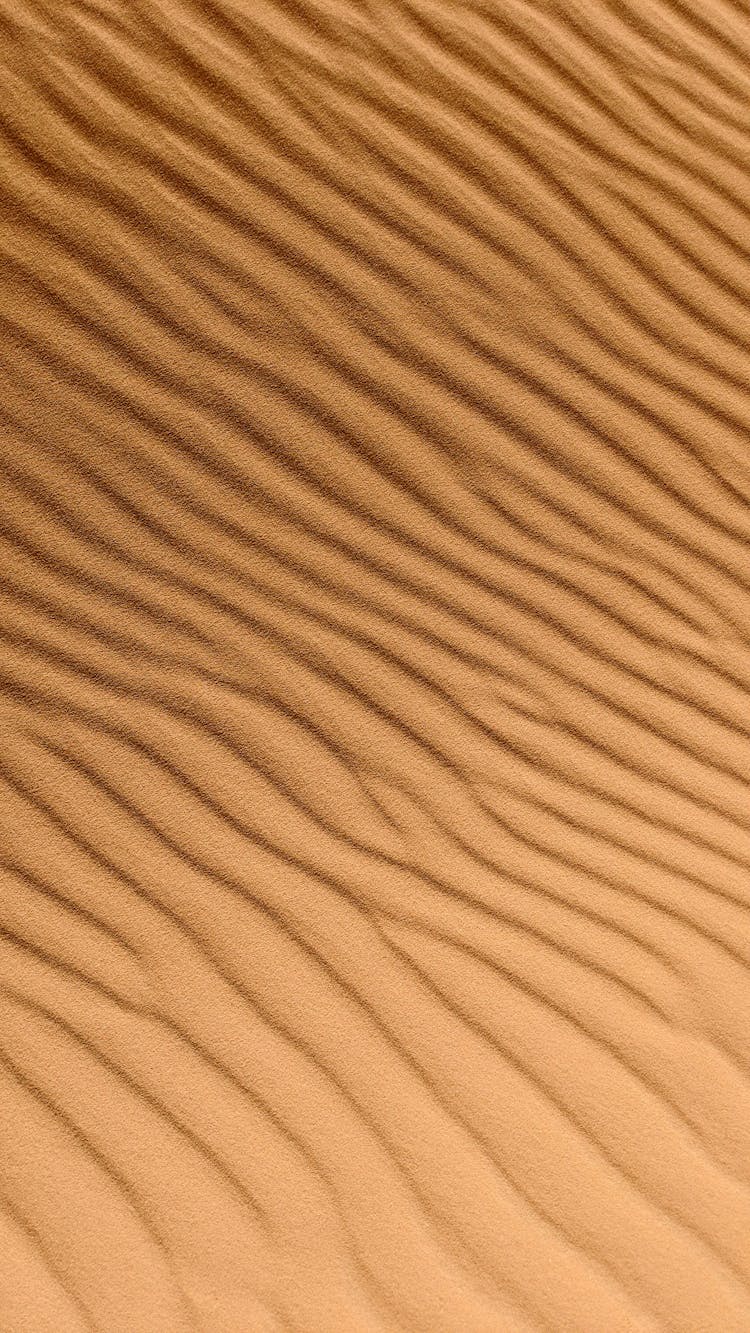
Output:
x=375 y=666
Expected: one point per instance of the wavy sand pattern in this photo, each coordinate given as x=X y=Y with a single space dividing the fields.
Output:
x=375 y=855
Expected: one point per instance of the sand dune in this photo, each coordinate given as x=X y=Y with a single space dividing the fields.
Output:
x=375 y=852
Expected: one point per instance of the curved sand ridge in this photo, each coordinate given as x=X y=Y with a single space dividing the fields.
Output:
x=375 y=855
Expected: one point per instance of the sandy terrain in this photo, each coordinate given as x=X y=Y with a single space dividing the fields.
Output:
x=375 y=666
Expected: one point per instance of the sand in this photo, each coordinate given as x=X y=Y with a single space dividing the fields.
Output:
x=375 y=667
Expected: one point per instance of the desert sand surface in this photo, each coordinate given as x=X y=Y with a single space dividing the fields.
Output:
x=375 y=666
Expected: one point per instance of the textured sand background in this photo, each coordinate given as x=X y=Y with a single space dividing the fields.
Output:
x=375 y=887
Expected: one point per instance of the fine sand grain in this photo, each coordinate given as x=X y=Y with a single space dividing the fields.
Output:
x=375 y=666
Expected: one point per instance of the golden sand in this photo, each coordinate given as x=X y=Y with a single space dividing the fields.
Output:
x=374 y=666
